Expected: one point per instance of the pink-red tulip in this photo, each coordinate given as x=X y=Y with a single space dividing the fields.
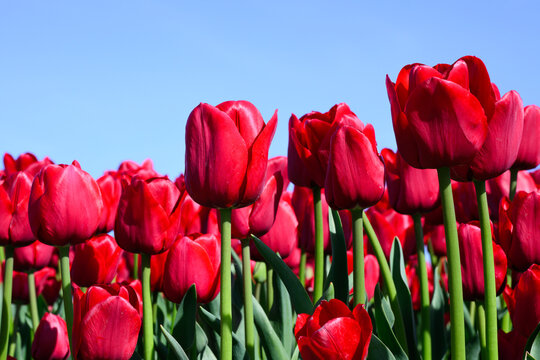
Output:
x=192 y=260
x=499 y=187
x=302 y=202
x=529 y=152
x=46 y=285
x=371 y=271
x=129 y=169
x=195 y=218
x=334 y=332
x=524 y=301
x=23 y=162
x=157 y=270
x=110 y=186
x=148 y=215
x=32 y=257
x=65 y=205
x=51 y=341
x=227 y=153
x=389 y=224
x=436 y=235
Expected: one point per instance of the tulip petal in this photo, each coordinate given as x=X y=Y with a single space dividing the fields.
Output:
x=246 y=117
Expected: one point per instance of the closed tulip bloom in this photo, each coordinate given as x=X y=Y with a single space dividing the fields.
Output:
x=440 y=113
x=410 y=190
x=110 y=186
x=65 y=205
x=499 y=187
x=227 y=153
x=334 y=332
x=95 y=261
x=46 y=285
x=519 y=229
x=472 y=268
x=24 y=161
x=465 y=201
x=529 y=152
x=371 y=271
x=390 y=224
x=192 y=260
x=524 y=301
x=51 y=341
x=32 y=257
x=106 y=322
x=195 y=218
x=148 y=215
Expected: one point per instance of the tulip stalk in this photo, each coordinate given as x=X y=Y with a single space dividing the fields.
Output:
x=399 y=326
x=457 y=318
x=481 y=326
x=225 y=290
x=248 y=302
x=148 y=318
x=490 y=291
x=269 y=288
x=135 y=266
x=513 y=183
x=424 y=288
x=358 y=257
x=33 y=300
x=319 y=245
x=302 y=267
x=66 y=290
x=6 y=303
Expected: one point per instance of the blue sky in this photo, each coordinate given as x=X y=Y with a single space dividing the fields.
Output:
x=105 y=81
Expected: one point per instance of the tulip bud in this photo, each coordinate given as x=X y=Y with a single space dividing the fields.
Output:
x=32 y=257
x=110 y=186
x=528 y=156
x=524 y=301
x=51 y=340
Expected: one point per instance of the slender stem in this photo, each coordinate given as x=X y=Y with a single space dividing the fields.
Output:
x=258 y=287
x=457 y=320
x=6 y=303
x=424 y=288
x=135 y=266
x=33 y=300
x=472 y=313
x=481 y=326
x=513 y=183
x=269 y=288
x=358 y=257
x=302 y=267
x=225 y=293
x=490 y=297
x=66 y=290
x=148 y=316
x=319 y=246
x=14 y=331
x=248 y=304
x=399 y=326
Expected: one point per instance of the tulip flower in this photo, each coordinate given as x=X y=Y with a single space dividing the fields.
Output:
x=51 y=341
x=25 y=162
x=511 y=345
x=157 y=270
x=45 y=284
x=110 y=186
x=107 y=322
x=391 y=224
x=32 y=257
x=499 y=187
x=524 y=301
x=193 y=260
x=528 y=156
x=334 y=332
x=95 y=261
x=128 y=169
x=195 y=218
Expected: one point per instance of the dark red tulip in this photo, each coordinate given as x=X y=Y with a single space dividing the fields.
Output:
x=429 y=103
x=32 y=257
x=193 y=260
x=46 y=285
x=334 y=332
x=511 y=345
x=309 y=144
x=536 y=176
x=148 y=215
x=472 y=268
x=436 y=235
x=195 y=218
x=302 y=202
x=51 y=340
x=65 y=205
x=519 y=229
x=529 y=152
x=410 y=190
x=499 y=187
x=524 y=301
x=14 y=225
x=106 y=322
x=465 y=203
x=371 y=271
x=411 y=270
x=110 y=186
x=355 y=173
x=95 y=261
x=157 y=270
x=227 y=153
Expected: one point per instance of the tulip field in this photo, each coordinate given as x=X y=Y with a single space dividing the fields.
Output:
x=340 y=250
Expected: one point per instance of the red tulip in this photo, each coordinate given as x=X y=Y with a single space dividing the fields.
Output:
x=436 y=235
x=23 y=162
x=529 y=152
x=499 y=187
x=51 y=341
x=193 y=260
x=148 y=215
x=371 y=271
x=227 y=153
x=429 y=103
x=390 y=224
x=524 y=301
x=355 y=173
x=129 y=169
x=110 y=186
x=334 y=332
x=46 y=285
x=95 y=261
x=410 y=190
x=511 y=345
x=536 y=176
x=465 y=201
x=157 y=270
x=309 y=144
x=65 y=205
x=32 y=257
x=106 y=322
x=195 y=218
x=519 y=229
x=302 y=202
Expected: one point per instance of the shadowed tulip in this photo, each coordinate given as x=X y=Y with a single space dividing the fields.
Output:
x=46 y=285
x=51 y=341
x=110 y=186
x=32 y=257
x=528 y=156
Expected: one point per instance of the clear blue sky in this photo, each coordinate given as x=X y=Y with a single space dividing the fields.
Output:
x=104 y=81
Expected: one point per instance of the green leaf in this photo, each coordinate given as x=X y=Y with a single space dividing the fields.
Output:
x=184 y=323
x=239 y=350
x=439 y=332
x=384 y=329
x=378 y=351
x=299 y=297
x=281 y=316
x=338 y=270
x=533 y=344
x=269 y=339
x=175 y=346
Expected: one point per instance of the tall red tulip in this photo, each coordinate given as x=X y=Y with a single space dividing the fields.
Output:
x=32 y=257
x=528 y=156
x=524 y=301
x=334 y=332
x=65 y=205
x=227 y=153
x=51 y=341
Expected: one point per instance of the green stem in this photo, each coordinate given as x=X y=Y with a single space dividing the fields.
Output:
x=424 y=288
x=472 y=313
x=135 y=266
x=481 y=326
x=399 y=326
x=14 y=331
x=248 y=304
x=66 y=290
x=490 y=291
x=6 y=303
x=513 y=183
x=457 y=320
x=358 y=258
x=225 y=292
x=148 y=316
x=269 y=288
x=33 y=300
x=319 y=245
x=302 y=267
